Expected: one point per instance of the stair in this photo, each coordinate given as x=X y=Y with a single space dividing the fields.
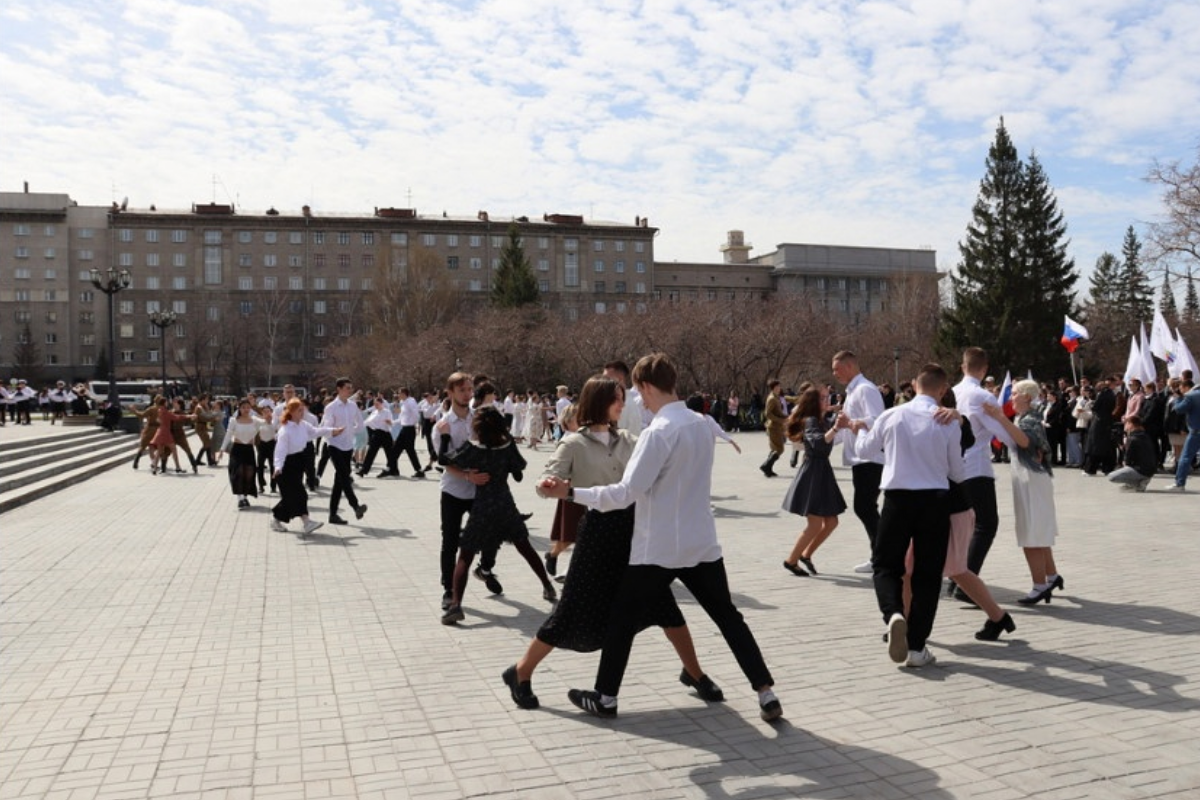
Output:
x=35 y=467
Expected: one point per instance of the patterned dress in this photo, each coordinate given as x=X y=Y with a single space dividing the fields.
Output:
x=494 y=515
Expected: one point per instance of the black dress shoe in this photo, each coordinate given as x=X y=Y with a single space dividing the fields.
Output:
x=798 y=571
x=807 y=562
x=1058 y=583
x=522 y=691
x=360 y=511
x=551 y=565
x=447 y=600
x=704 y=687
x=334 y=519
x=1043 y=596
x=991 y=631
x=963 y=597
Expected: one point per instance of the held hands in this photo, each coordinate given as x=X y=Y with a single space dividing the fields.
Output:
x=477 y=478
x=338 y=431
x=555 y=488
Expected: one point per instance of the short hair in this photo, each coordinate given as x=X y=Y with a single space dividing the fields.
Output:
x=403 y=390
x=618 y=366
x=1028 y=388
x=845 y=355
x=457 y=379
x=1136 y=421
x=595 y=398
x=656 y=370
x=561 y=389
x=771 y=384
x=975 y=358
x=932 y=377
x=343 y=381
x=482 y=391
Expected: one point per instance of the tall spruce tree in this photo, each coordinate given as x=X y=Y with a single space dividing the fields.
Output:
x=1106 y=282
x=1014 y=281
x=514 y=283
x=1191 y=301
x=1166 y=299
x=1137 y=295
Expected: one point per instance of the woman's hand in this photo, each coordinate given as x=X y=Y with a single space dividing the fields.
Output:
x=555 y=488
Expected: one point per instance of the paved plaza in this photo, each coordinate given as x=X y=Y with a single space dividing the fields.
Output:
x=157 y=642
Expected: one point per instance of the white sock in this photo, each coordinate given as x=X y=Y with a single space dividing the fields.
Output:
x=765 y=697
x=1050 y=579
x=608 y=700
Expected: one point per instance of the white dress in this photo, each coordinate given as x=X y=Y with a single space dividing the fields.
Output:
x=534 y=429
x=1036 y=521
x=518 y=423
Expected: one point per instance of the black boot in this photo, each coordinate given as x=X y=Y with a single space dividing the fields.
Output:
x=795 y=457
x=768 y=464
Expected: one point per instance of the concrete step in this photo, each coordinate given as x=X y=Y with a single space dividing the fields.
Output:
x=67 y=476
x=46 y=466
x=43 y=445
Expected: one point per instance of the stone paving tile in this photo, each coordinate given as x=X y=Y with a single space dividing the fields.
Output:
x=177 y=648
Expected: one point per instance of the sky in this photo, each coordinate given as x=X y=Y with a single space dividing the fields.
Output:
x=824 y=121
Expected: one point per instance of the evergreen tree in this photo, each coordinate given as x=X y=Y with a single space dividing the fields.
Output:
x=1014 y=282
x=1136 y=296
x=1191 y=301
x=1106 y=282
x=1166 y=299
x=514 y=283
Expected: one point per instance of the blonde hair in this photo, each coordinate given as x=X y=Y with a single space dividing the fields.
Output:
x=1030 y=389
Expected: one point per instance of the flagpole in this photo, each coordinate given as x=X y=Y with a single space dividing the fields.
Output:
x=1074 y=376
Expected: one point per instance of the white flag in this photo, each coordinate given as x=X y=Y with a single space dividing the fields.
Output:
x=1149 y=371
x=1162 y=343
x=1183 y=358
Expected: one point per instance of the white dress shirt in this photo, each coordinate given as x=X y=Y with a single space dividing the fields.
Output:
x=410 y=413
x=970 y=398
x=669 y=476
x=864 y=403
x=240 y=433
x=631 y=413
x=293 y=437
x=343 y=414
x=459 y=429
x=918 y=451
x=380 y=419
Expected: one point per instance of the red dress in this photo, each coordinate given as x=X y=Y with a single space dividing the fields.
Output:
x=164 y=438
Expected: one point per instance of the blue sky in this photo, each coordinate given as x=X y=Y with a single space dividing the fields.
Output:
x=838 y=122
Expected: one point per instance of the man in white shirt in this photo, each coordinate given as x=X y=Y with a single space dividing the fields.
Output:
x=429 y=407
x=863 y=404
x=343 y=413
x=379 y=436
x=560 y=405
x=631 y=412
x=408 y=418
x=921 y=456
x=669 y=476
x=458 y=486
x=980 y=483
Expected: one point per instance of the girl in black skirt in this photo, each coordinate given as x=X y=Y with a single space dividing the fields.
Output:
x=240 y=436
x=290 y=462
x=494 y=514
x=814 y=493
x=596 y=455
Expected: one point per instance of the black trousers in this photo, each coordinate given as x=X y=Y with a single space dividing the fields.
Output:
x=923 y=518
x=341 y=479
x=453 y=511
x=707 y=582
x=316 y=474
x=376 y=440
x=265 y=452
x=310 y=464
x=406 y=442
x=427 y=435
x=982 y=492
x=866 y=478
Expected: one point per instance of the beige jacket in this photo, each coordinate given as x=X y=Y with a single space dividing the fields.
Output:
x=585 y=461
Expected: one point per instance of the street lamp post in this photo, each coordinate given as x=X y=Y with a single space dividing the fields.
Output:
x=896 y=367
x=110 y=282
x=163 y=320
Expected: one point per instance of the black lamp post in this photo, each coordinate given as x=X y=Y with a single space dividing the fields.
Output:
x=163 y=320
x=110 y=282
x=896 y=367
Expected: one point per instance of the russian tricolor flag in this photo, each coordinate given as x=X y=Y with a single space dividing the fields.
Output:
x=1005 y=396
x=1072 y=333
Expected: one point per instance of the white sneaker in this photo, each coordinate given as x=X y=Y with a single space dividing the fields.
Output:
x=311 y=526
x=865 y=568
x=1177 y=488
x=922 y=658
x=898 y=638
x=276 y=525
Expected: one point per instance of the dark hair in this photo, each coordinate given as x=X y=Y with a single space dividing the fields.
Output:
x=618 y=366
x=975 y=358
x=342 y=382
x=932 y=377
x=845 y=355
x=457 y=379
x=807 y=405
x=656 y=370
x=771 y=384
x=595 y=398
x=490 y=430
x=482 y=390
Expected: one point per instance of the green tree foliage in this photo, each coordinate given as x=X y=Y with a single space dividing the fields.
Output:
x=1166 y=300
x=1106 y=281
x=1014 y=282
x=1191 y=302
x=1136 y=294
x=514 y=283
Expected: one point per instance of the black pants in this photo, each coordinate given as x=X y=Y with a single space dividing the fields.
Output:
x=641 y=584
x=266 y=460
x=982 y=492
x=293 y=500
x=406 y=442
x=376 y=440
x=310 y=464
x=922 y=518
x=427 y=435
x=453 y=511
x=341 y=479
x=866 y=478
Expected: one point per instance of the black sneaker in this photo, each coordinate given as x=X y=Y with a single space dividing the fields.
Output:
x=704 y=687
x=334 y=519
x=551 y=565
x=454 y=614
x=522 y=691
x=420 y=474
x=360 y=511
x=590 y=702
x=489 y=579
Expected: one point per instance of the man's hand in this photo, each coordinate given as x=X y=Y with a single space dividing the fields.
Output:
x=555 y=488
x=944 y=416
x=477 y=478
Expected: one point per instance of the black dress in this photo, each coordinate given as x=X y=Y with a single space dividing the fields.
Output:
x=814 y=490
x=494 y=515
x=580 y=620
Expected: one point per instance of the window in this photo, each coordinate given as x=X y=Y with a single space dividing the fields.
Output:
x=318 y=306
x=85 y=275
x=319 y=353
x=639 y=267
x=125 y=235
x=85 y=296
x=152 y=331
x=270 y=283
x=497 y=242
x=620 y=308
x=296 y=237
x=152 y=306
x=598 y=265
x=152 y=356
x=601 y=308
x=213 y=314
x=245 y=283
x=400 y=239
x=367 y=284
x=368 y=237
x=295 y=261
x=20 y=230
x=343 y=237
x=212 y=237
x=88 y=360
x=125 y=331
x=619 y=247
x=429 y=239
x=571 y=245
x=151 y=259
x=543 y=285
x=295 y=306
x=343 y=329
x=179 y=236
x=125 y=259
x=820 y=283
x=495 y=263
x=475 y=286
x=179 y=306
x=49 y=252
x=319 y=260
x=639 y=247
x=598 y=287
x=21 y=295
x=152 y=236
x=179 y=283
x=543 y=243
x=343 y=284
x=841 y=284
x=152 y=282
x=87 y=317
x=125 y=306
x=862 y=284
x=87 y=338
x=572 y=314
x=318 y=237
x=344 y=306
x=296 y=283
x=619 y=266
x=711 y=294
x=22 y=252
x=319 y=329
x=49 y=230
x=270 y=260
x=639 y=288
x=451 y=262
x=598 y=245
x=368 y=260
x=245 y=237
x=23 y=273
x=476 y=263
x=51 y=338
x=180 y=331
x=343 y=260
x=245 y=260
x=85 y=233
x=452 y=240
x=127 y=356
x=318 y=284
x=270 y=237
x=86 y=255
x=619 y=287
x=24 y=316
x=52 y=317
x=179 y=260
x=246 y=308
x=476 y=241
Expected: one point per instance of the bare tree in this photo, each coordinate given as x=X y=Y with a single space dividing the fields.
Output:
x=200 y=354
x=1177 y=236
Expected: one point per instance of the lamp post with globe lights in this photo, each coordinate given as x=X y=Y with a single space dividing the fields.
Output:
x=163 y=320
x=111 y=281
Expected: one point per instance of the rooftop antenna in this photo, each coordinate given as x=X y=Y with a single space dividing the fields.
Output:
x=410 y=197
x=214 y=188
